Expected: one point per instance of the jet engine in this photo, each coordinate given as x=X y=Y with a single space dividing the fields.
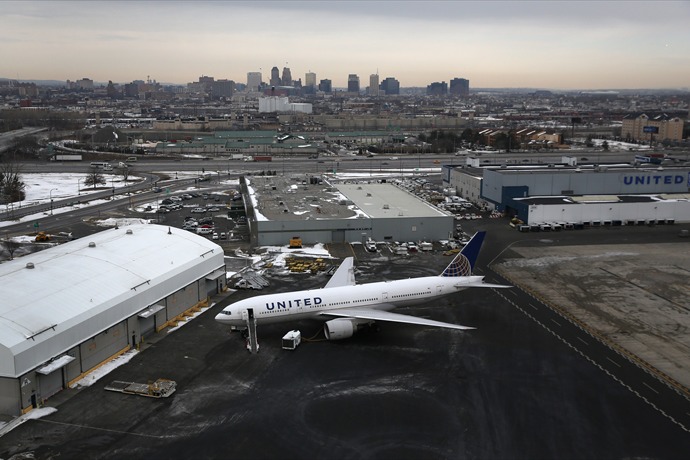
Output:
x=343 y=328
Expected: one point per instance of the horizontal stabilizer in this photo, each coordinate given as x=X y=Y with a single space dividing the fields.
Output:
x=486 y=285
x=380 y=315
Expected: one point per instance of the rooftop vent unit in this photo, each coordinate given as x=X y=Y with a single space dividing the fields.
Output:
x=385 y=206
x=93 y=245
x=29 y=265
x=129 y=232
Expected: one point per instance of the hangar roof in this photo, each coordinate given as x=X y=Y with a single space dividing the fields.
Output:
x=295 y=198
x=386 y=200
x=54 y=291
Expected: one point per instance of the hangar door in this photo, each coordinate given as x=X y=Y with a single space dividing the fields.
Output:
x=147 y=319
x=101 y=347
x=51 y=377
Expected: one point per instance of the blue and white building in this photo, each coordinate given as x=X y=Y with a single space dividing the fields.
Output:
x=586 y=193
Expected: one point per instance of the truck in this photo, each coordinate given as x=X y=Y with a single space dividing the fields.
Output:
x=236 y=156
x=648 y=159
x=66 y=158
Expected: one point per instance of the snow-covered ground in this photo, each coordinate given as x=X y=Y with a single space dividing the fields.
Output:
x=95 y=375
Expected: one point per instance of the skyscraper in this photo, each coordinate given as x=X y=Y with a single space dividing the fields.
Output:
x=287 y=77
x=275 y=76
x=373 y=89
x=437 y=89
x=310 y=79
x=309 y=83
x=352 y=83
x=253 y=81
x=390 y=86
x=325 y=86
x=460 y=87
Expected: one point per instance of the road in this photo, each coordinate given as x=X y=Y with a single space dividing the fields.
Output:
x=8 y=138
x=406 y=164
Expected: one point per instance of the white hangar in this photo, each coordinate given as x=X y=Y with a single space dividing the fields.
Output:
x=68 y=309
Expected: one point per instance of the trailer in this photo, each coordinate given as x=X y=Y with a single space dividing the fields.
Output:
x=66 y=158
x=262 y=158
x=161 y=388
x=291 y=340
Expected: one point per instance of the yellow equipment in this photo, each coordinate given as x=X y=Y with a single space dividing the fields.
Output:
x=42 y=236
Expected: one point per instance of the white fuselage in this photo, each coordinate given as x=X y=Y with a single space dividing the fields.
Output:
x=384 y=295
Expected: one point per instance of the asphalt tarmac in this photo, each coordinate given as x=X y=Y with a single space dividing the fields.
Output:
x=512 y=388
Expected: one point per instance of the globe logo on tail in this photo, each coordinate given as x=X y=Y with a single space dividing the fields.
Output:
x=460 y=266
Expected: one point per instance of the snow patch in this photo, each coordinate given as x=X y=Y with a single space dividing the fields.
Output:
x=95 y=375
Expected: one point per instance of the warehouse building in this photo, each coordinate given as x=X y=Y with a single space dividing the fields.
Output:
x=68 y=309
x=338 y=211
x=578 y=193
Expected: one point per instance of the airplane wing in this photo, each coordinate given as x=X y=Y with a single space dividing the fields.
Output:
x=344 y=275
x=381 y=315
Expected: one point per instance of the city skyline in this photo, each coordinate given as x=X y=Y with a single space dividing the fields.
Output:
x=551 y=45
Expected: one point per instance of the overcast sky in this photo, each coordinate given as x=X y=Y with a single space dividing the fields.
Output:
x=539 y=44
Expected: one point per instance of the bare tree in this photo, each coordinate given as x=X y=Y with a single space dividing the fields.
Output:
x=10 y=246
x=11 y=185
x=94 y=178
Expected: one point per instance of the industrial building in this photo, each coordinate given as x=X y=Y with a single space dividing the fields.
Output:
x=612 y=194
x=339 y=211
x=68 y=309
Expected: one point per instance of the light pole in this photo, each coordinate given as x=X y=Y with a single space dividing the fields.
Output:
x=50 y=194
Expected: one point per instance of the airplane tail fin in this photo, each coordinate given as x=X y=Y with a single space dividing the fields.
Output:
x=463 y=264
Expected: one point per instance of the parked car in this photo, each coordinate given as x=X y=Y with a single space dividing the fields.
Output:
x=199 y=210
x=214 y=236
x=222 y=235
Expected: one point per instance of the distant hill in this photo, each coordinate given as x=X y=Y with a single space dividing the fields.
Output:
x=39 y=82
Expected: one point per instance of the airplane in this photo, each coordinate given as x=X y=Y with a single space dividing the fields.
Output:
x=349 y=307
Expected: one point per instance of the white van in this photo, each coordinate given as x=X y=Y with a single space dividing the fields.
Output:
x=104 y=165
